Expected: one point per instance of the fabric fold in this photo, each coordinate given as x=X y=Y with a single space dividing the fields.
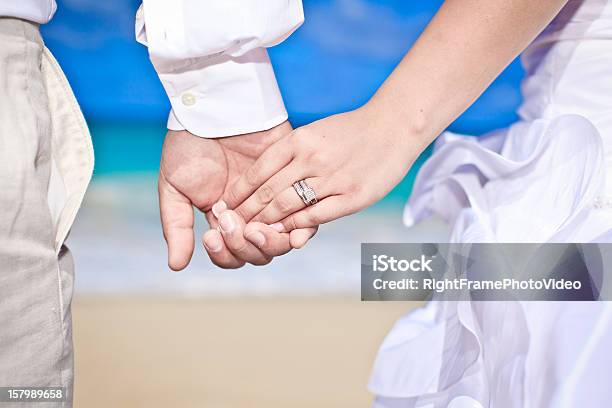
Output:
x=485 y=187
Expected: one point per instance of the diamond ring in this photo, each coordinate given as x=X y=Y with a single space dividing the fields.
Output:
x=306 y=193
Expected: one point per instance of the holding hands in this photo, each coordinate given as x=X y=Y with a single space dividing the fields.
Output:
x=350 y=160
x=196 y=172
x=244 y=184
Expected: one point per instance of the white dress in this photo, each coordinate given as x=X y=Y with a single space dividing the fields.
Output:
x=546 y=178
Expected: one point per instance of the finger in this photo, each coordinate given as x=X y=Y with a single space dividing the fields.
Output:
x=222 y=256
x=269 y=241
x=268 y=191
x=176 y=212
x=299 y=237
x=214 y=245
x=232 y=231
x=288 y=202
x=274 y=243
x=271 y=161
x=217 y=209
x=329 y=209
x=219 y=254
x=213 y=221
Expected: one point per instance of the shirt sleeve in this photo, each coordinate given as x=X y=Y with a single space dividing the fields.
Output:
x=212 y=60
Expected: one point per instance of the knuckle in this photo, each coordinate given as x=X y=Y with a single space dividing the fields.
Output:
x=242 y=212
x=282 y=205
x=251 y=174
x=347 y=185
x=240 y=249
x=309 y=146
x=232 y=196
x=290 y=223
x=313 y=219
x=265 y=194
x=314 y=159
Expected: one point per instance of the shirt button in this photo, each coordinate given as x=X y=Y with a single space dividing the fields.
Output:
x=464 y=402
x=188 y=99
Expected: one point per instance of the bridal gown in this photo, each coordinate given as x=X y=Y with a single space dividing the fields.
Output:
x=546 y=178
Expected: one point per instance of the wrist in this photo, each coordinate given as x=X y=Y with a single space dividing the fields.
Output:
x=409 y=131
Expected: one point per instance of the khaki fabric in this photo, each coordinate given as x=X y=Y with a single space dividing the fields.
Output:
x=46 y=162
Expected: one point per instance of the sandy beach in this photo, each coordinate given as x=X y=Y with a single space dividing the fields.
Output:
x=225 y=353
x=291 y=334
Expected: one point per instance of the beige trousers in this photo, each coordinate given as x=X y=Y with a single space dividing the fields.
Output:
x=46 y=161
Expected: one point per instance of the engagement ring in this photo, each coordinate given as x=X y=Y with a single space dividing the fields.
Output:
x=306 y=193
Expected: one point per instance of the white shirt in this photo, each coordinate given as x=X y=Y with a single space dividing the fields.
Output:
x=210 y=56
x=38 y=11
x=212 y=61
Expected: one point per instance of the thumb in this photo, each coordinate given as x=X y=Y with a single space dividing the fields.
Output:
x=177 y=219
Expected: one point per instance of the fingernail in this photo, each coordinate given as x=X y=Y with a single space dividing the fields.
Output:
x=257 y=238
x=213 y=243
x=279 y=227
x=226 y=222
x=218 y=208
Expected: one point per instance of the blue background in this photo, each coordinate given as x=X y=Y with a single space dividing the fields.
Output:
x=333 y=63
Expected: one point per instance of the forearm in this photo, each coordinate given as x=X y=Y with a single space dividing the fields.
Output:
x=464 y=48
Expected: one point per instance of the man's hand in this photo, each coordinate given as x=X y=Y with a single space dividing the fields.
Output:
x=196 y=171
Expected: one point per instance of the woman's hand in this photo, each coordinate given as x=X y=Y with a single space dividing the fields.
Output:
x=350 y=160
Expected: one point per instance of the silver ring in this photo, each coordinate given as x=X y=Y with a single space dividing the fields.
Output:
x=306 y=193
x=299 y=190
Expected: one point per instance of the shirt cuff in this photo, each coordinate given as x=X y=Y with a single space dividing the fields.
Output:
x=223 y=96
